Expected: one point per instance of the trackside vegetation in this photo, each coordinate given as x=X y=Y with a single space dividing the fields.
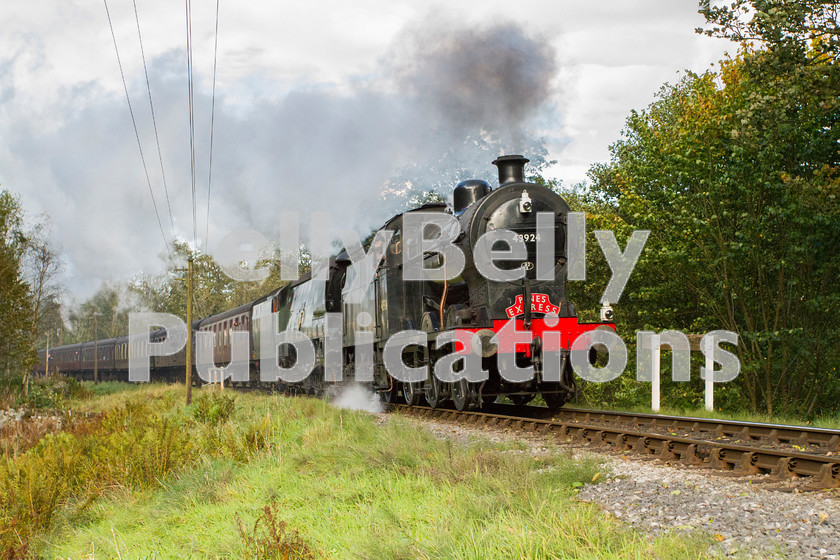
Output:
x=736 y=173
x=140 y=475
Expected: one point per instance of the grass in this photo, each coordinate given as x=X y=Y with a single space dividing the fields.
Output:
x=273 y=477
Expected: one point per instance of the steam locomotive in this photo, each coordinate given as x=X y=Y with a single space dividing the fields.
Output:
x=526 y=300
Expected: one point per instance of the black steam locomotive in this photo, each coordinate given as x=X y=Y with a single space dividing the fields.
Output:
x=469 y=303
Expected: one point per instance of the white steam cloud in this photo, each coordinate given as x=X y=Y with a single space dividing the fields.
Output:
x=444 y=104
x=357 y=397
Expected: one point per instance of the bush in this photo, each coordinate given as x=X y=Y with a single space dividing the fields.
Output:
x=215 y=408
x=45 y=392
x=135 y=446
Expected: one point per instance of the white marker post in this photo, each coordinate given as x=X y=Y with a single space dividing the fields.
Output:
x=709 y=350
x=655 y=356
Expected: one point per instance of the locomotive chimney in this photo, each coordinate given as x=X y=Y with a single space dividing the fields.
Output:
x=511 y=169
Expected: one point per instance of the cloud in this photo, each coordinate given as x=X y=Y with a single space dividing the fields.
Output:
x=326 y=147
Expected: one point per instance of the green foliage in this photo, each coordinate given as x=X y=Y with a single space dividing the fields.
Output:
x=214 y=291
x=51 y=392
x=41 y=395
x=791 y=30
x=103 y=315
x=214 y=408
x=737 y=175
x=16 y=329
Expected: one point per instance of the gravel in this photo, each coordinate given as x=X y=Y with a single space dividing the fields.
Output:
x=747 y=516
x=753 y=516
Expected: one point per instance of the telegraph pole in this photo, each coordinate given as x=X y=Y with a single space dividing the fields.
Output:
x=95 y=353
x=189 y=327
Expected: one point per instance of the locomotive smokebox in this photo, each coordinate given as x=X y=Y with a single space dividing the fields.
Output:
x=468 y=192
x=511 y=169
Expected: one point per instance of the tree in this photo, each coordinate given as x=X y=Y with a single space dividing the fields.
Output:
x=213 y=290
x=168 y=293
x=42 y=268
x=736 y=173
x=17 y=355
x=791 y=30
x=100 y=317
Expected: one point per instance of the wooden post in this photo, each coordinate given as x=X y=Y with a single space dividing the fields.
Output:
x=95 y=353
x=47 y=368
x=189 y=328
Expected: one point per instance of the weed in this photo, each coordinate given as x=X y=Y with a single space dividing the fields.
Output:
x=215 y=408
x=17 y=436
x=272 y=539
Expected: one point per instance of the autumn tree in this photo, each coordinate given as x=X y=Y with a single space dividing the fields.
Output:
x=42 y=269
x=17 y=354
x=791 y=30
x=737 y=175
x=213 y=290
x=103 y=315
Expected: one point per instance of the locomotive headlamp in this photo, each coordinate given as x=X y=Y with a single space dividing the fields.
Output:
x=525 y=204
x=606 y=312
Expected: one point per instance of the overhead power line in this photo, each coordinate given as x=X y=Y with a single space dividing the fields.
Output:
x=136 y=133
x=212 y=128
x=192 y=116
x=154 y=120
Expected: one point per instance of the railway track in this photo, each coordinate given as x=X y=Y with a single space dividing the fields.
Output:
x=741 y=447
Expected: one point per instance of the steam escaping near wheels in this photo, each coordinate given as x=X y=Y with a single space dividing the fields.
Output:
x=358 y=397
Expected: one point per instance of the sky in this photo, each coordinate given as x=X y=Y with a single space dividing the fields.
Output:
x=318 y=106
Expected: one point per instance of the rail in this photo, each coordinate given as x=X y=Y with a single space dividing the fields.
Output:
x=742 y=447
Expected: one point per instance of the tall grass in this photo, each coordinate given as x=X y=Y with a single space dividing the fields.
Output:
x=297 y=477
x=134 y=446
